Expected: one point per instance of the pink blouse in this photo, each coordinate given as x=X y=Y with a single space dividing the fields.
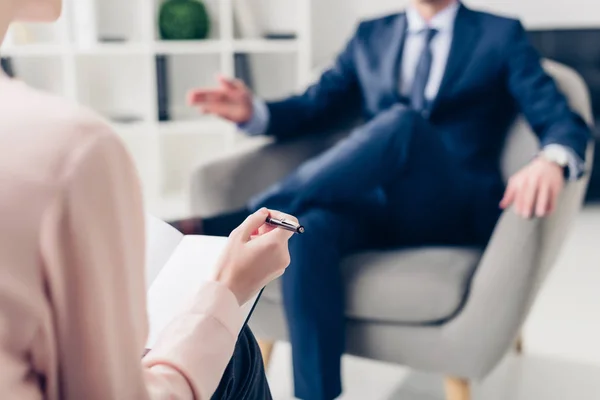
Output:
x=73 y=318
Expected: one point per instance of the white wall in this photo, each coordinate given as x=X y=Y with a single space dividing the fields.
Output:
x=118 y=18
x=334 y=20
x=547 y=13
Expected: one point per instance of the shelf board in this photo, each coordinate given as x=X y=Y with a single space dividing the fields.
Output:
x=265 y=46
x=45 y=50
x=216 y=46
x=167 y=47
x=114 y=49
x=35 y=50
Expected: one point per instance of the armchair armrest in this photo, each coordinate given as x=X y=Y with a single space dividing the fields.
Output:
x=521 y=252
x=227 y=183
x=515 y=263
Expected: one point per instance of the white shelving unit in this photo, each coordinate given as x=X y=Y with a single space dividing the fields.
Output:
x=119 y=79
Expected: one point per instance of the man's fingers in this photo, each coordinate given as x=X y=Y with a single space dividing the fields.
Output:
x=231 y=83
x=226 y=83
x=543 y=201
x=509 y=196
x=251 y=225
x=239 y=84
x=197 y=96
x=223 y=110
x=202 y=96
x=534 y=190
x=234 y=87
x=526 y=199
x=520 y=198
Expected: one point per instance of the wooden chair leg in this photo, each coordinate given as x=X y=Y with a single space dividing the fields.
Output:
x=519 y=345
x=266 y=349
x=457 y=389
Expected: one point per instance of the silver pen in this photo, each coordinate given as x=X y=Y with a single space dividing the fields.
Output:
x=284 y=224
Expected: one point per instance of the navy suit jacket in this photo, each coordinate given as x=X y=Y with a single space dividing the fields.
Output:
x=492 y=74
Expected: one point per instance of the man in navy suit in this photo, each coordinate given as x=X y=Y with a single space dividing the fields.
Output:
x=438 y=86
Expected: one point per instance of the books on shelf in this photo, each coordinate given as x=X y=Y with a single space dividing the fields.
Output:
x=162 y=87
x=281 y=35
x=247 y=27
x=243 y=70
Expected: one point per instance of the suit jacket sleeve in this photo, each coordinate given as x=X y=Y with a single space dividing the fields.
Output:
x=334 y=99
x=540 y=100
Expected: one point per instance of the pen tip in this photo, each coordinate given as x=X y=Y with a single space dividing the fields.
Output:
x=300 y=229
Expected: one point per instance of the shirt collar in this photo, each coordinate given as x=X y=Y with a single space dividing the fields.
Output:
x=443 y=21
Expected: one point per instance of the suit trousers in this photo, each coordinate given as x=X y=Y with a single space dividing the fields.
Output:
x=390 y=183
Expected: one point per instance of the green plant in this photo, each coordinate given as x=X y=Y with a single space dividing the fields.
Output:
x=183 y=20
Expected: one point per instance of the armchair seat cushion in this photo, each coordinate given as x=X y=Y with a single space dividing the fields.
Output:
x=408 y=286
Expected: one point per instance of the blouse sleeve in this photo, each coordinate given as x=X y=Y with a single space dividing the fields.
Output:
x=93 y=250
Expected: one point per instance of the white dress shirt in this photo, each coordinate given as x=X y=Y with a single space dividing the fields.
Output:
x=414 y=43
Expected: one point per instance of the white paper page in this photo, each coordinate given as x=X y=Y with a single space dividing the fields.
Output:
x=161 y=241
x=193 y=263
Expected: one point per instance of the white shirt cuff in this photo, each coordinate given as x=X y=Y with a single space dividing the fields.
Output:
x=576 y=167
x=260 y=119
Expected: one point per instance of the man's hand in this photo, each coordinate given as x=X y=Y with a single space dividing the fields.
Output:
x=534 y=189
x=231 y=100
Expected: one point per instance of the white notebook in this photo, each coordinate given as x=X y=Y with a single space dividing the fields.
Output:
x=176 y=267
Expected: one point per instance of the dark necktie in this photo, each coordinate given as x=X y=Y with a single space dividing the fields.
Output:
x=417 y=95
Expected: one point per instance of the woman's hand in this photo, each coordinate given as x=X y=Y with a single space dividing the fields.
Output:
x=256 y=254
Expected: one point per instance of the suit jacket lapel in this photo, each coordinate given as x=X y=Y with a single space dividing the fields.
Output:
x=466 y=34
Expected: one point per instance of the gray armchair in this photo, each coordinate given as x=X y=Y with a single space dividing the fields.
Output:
x=446 y=310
